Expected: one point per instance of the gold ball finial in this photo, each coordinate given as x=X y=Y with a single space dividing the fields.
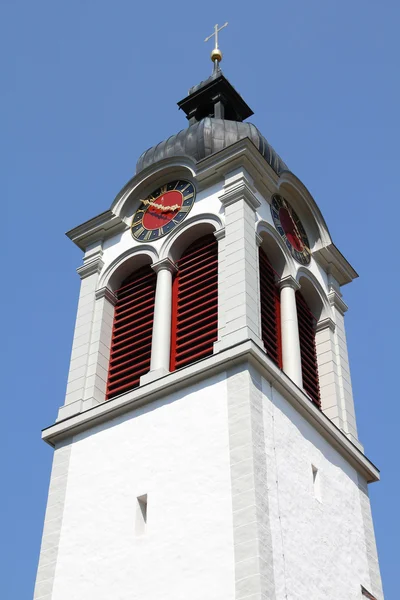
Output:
x=216 y=54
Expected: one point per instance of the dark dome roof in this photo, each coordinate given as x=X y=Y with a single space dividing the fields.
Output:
x=206 y=137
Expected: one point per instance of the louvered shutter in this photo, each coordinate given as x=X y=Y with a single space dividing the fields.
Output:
x=309 y=363
x=132 y=331
x=270 y=310
x=195 y=303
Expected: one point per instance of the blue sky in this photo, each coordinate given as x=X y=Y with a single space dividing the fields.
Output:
x=86 y=87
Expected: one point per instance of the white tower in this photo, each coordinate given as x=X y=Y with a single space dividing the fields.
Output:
x=207 y=446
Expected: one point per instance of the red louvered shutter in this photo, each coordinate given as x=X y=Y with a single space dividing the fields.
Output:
x=132 y=332
x=195 y=303
x=309 y=363
x=270 y=310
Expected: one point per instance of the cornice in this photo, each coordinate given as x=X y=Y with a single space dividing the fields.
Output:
x=104 y=225
x=106 y=293
x=333 y=261
x=178 y=380
x=336 y=301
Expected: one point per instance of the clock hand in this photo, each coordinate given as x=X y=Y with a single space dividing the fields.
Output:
x=160 y=206
x=299 y=234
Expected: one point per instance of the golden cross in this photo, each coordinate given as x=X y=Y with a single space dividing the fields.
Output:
x=216 y=31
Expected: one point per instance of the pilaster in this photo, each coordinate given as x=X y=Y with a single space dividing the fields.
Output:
x=239 y=318
x=89 y=274
x=99 y=349
x=254 y=571
x=349 y=426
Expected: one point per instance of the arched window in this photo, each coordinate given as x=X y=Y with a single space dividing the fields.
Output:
x=195 y=303
x=309 y=365
x=270 y=310
x=132 y=331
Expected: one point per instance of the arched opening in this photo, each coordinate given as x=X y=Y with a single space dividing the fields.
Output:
x=307 y=321
x=270 y=309
x=195 y=303
x=132 y=331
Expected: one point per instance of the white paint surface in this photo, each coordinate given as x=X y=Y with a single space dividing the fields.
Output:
x=319 y=545
x=176 y=452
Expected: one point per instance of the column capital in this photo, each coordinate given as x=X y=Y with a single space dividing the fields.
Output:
x=327 y=323
x=290 y=282
x=165 y=264
x=90 y=267
x=220 y=234
x=238 y=187
x=106 y=293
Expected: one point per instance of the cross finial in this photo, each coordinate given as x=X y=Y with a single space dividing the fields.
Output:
x=216 y=54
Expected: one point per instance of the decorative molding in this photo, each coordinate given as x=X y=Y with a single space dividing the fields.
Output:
x=333 y=261
x=336 y=301
x=97 y=229
x=164 y=263
x=289 y=281
x=220 y=234
x=259 y=240
x=106 y=293
x=236 y=188
x=327 y=323
x=91 y=267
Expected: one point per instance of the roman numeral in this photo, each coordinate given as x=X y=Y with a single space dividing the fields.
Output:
x=139 y=232
x=186 y=187
x=148 y=235
x=185 y=209
x=188 y=196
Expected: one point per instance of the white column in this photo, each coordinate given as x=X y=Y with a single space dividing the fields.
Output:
x=161 y=340
x=291 y=356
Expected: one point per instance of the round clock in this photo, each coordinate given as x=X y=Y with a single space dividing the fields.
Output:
x=163 y=210
x=291 y=229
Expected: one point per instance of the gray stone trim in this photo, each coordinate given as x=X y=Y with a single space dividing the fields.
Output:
x=53 y=522
x=245 y=352
x=254 y=575
x=375 y=586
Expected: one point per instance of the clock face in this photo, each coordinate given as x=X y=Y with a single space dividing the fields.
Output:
x=163 y=210
x=291 y=229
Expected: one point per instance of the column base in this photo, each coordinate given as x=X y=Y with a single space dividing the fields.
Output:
x=153 y=375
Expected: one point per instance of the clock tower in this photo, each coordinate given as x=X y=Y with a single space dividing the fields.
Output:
x=207 y=446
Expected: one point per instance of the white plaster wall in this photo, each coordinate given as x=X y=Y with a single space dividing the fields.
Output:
x=177 y=452
x=319 y=546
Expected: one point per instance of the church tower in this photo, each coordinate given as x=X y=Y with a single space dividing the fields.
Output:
x=207 y=446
